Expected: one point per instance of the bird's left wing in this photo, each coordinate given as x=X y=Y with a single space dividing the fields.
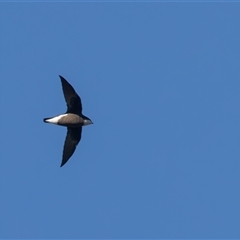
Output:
x=72 y=139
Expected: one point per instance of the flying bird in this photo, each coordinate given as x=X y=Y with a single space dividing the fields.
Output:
x=73 y=119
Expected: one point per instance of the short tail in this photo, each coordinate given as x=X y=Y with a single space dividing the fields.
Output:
x=46 y=120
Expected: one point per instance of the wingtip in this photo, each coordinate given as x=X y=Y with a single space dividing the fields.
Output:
x=63 y=80
x=62 y=164
x=61 y=77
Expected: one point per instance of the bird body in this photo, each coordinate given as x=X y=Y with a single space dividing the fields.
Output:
x=73 y=119
x=68 y=120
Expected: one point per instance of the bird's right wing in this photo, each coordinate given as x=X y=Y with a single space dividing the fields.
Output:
x=74 y=103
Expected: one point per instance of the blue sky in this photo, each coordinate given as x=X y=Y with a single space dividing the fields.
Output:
x=160 y=82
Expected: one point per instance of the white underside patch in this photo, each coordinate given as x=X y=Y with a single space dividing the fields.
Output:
x=55 y=120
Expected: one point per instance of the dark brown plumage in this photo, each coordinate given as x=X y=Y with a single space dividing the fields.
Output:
x=73 y=119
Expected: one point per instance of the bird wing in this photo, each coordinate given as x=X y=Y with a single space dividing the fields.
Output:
x=72 y=139
x=74 y=104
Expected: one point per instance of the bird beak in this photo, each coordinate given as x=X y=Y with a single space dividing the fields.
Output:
x=87 y=122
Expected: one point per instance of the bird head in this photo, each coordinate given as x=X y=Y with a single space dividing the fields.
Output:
x=86 y=121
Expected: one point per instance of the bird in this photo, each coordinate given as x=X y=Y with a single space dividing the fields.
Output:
x=73 y=119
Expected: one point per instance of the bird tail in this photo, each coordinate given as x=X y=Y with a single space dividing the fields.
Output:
x=46 y=120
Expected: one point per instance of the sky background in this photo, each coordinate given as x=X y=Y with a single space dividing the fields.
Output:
x=161 y=83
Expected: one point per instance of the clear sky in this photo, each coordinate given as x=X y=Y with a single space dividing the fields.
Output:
x=161 y=83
